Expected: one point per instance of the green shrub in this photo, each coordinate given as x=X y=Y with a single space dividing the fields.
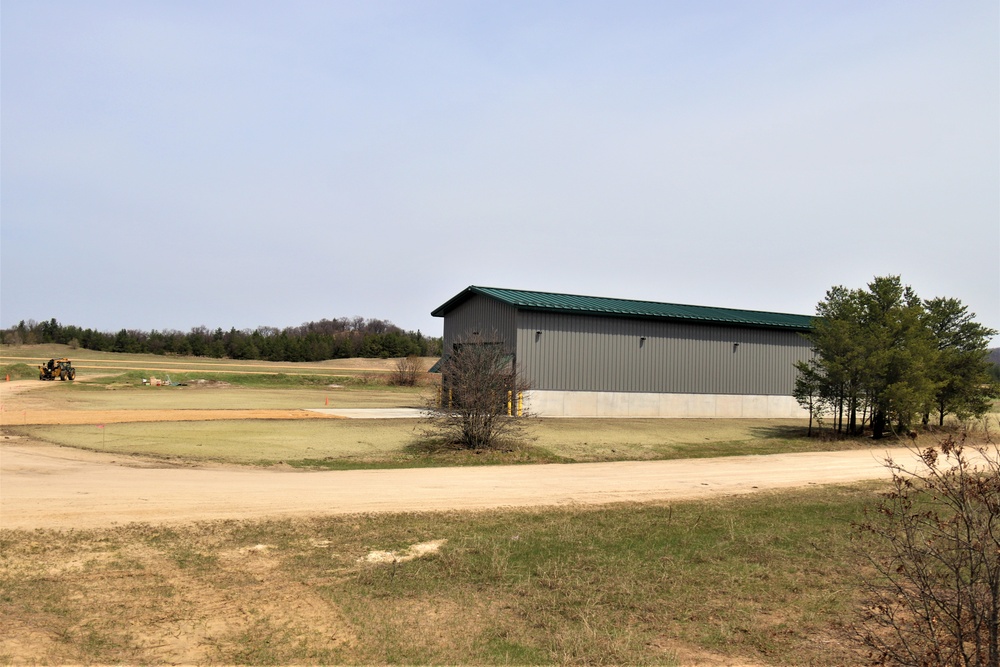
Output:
x=18 y=371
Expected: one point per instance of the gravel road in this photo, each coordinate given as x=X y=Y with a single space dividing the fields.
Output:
x=47 y=486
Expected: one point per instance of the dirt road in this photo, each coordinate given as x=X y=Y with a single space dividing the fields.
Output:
x=65 y=417
x=46 y=486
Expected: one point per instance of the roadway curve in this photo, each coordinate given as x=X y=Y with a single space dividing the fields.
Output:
x=47 y=486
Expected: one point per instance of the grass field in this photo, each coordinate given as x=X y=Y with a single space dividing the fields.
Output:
x=340 y=444
x=90 y=362
x=336 y=444
x=354 y=443
x=763 y=579
x=767 y=579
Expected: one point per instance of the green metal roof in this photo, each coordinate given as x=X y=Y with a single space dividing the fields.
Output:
x=598 y=305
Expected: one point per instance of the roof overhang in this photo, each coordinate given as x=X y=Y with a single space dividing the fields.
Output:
x=455 y=301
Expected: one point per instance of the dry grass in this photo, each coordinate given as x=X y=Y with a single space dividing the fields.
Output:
x=393 y=442
x=90 y=361
x=614 y=439
x=63 y=397
x=245 y=442
x=766 y=579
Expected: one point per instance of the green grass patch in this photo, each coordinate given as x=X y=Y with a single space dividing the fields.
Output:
x=429 y=454
x=90 y=362
x=111 y=395
x=345 y=444
x=336 y=445
x=636 y=439
x=18 y=371
x=244 y=442
x=765 y=579
x=348 y=444
x=135 y=378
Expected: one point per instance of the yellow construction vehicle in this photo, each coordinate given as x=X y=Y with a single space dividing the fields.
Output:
x=57 y=368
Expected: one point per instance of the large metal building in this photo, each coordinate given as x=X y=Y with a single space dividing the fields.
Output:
x=598 y=357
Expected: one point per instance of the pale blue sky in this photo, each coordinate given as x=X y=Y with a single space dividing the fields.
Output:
x=176 y=164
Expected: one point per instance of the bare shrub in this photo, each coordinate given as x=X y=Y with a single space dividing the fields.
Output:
x=374 y=379
x=479 y=406
x=406 y=372
x=933 y=546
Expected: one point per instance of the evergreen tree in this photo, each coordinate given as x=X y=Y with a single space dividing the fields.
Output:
x=965 y=386
x=900 y=354
x=884 y=352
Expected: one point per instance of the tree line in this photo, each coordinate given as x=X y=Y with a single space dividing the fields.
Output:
x=313 y=341
x=884 y=359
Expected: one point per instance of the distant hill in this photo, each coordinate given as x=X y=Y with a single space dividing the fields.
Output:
x=995 y=356
x=340 y=338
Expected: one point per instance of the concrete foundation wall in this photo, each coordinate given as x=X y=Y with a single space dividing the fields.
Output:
x=546 y=403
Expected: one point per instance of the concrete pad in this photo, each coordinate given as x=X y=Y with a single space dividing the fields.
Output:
x=372 y=413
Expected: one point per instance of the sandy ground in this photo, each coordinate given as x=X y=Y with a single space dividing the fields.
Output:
x=371 y=413
x=17 y=386
x=47 y=486
x=36 y=417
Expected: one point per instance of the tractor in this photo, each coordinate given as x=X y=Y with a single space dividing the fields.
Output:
x=57 y=368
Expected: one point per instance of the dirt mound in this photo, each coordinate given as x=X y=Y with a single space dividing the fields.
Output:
x=208 y=384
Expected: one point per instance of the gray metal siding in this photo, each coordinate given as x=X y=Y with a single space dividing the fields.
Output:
x=591 y=353
x=495 y=322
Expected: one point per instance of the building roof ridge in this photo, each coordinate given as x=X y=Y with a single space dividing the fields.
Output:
x=621 y=307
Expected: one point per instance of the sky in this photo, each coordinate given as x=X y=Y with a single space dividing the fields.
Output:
x=167 y=165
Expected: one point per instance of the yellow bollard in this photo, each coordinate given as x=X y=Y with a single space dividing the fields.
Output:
x=509 y=403
x=520 y=404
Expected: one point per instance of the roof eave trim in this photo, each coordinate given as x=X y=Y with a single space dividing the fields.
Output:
x=664 y=318
x=453 y=302
x=490 y=293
